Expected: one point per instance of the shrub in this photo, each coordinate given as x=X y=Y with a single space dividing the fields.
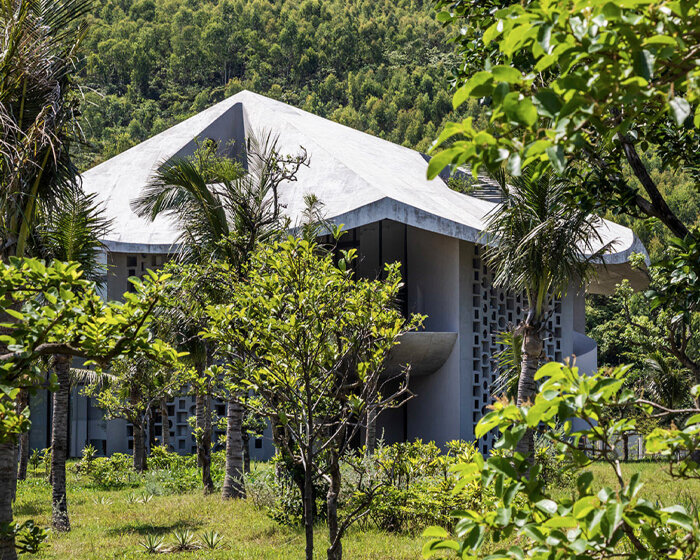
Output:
x=412 y=482
x=85 y=464
x=403 y=485
x=525 y=518
x=112 y=472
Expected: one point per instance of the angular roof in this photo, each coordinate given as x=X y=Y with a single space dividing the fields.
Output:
x=358 y=177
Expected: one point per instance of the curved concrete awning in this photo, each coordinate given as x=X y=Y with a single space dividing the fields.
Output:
x=426 y=352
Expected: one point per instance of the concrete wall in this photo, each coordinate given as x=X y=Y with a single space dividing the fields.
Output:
x=433 y=290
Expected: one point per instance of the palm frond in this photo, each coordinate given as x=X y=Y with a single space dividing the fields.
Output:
x=540 y=240
x=71 y=231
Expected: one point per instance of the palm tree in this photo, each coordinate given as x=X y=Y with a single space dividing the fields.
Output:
x=541 y=243
x=223 y=212
x=38 y=49
x=71 y=231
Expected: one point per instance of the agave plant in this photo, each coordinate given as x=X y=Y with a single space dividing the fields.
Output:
x=102 y=500
x=144 y=498
x=184 y=540
x=152 y=544
x=211 y=539
x=132 y=498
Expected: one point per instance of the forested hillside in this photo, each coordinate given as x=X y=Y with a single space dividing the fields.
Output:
x=381 y=66
x=377 y=65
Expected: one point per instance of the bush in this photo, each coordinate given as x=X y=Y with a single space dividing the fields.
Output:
x=412 y=482
x=403 y=485
x=273 y=488
x=111 y=472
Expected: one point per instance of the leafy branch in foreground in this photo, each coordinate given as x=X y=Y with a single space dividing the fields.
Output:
x=523 y=518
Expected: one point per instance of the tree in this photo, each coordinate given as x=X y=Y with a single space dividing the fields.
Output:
x=37 y=112
x=53 y=311
x=136 y=385
x=69 y=232
x=543 y=243
x=223 y=213
x=524 y=517
x=601 y=89
x=581 y=84
x=310 y=340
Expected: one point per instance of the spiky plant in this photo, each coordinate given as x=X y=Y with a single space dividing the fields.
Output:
x=211 y=539
x=184 y=540
x=152 y=544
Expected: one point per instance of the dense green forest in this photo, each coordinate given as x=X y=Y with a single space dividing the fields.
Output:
x=377 y=65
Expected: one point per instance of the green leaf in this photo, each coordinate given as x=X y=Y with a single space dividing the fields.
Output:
x=506 y=74
x=520 y=110
x=681 y=520
x=644 y=64
x=547 y=505
x=436 y=532
x=479 y=85
x=556 y=156
x=492 y=32
x=441 y=160
x=680 y=109
x=548 y=102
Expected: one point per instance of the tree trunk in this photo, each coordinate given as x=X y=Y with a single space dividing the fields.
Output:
x=527 y=386
x=203 y=413
x=233 y=476
x=371 y=422
x=309 y=506
x=245 y=436
x=8 y=482
x=335 y=550
x=22 y=403
x=151 y=430
x=165 y=424
x=139 y=434
x=140 y=462
x=59 y=444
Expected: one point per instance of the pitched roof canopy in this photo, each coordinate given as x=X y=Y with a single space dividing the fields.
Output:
x=358 y=177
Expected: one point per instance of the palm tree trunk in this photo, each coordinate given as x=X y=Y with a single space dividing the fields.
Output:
x=165 y=423
x=22 y=403
x=233 y=476
x=8 y=482
x=527 y=386
x=59 y=444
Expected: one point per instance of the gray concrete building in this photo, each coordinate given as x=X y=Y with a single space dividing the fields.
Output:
x=391 y=212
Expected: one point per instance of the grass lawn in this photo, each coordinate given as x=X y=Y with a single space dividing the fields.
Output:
x=107 y=526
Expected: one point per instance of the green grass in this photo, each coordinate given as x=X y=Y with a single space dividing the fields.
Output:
x=107 y=526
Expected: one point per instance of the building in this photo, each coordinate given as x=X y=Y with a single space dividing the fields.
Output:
x=392 y=212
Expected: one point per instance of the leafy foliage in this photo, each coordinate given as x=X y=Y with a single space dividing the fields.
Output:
x=54 y=310
x=594 y=522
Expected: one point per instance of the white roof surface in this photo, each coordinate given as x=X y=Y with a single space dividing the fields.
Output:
x=359 y=178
